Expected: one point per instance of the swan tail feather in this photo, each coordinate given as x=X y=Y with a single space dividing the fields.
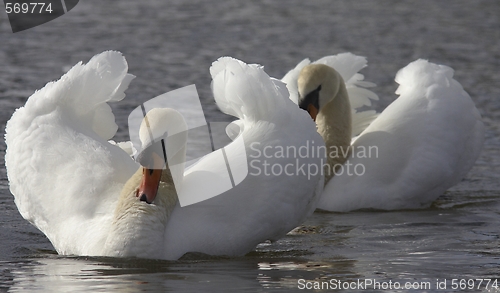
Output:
x=450 y=108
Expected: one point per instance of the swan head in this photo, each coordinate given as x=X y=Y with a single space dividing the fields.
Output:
x=322 y=93
x=318 y=85
x=163 y=134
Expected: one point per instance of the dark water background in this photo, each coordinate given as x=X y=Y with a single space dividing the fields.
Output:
x=170 y=44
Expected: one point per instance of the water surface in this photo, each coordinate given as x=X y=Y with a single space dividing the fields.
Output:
x=170 y=44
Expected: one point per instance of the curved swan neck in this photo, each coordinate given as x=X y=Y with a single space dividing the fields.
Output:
x=138 y=227
x=335 y=126
x=321 y=86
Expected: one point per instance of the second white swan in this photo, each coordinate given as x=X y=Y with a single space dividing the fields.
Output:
x=419 y=146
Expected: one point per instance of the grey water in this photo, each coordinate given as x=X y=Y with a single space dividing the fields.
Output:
x=171 y=44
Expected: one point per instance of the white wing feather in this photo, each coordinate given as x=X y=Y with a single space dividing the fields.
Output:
x=62 y=171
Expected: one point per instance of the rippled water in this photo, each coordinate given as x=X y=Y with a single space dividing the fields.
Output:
x=170 y=44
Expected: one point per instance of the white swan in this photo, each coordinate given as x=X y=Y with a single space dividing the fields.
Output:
x=82 y=191
x=419 y=146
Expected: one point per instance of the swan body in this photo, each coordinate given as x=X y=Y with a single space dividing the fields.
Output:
x=84 y=193
x=419 y=146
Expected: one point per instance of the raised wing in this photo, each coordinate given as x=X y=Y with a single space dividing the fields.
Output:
x=63 y=173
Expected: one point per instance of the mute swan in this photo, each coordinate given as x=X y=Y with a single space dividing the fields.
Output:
x=86 y=194
x=419 y=146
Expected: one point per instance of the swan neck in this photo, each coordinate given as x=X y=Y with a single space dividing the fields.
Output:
x=335 y=126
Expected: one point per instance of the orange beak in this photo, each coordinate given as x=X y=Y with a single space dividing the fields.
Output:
x=150 y=180
x=149 y=185
x=313 y=111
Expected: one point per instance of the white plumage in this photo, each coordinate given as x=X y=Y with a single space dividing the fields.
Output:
x=67 y=178
x=419 y=146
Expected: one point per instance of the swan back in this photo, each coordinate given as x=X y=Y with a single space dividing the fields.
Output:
x=423 y=143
